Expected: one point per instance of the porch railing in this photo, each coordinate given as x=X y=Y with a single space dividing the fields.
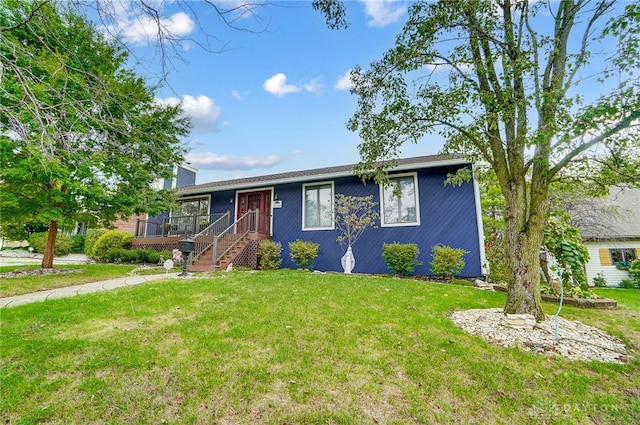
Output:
x=176 y=225
x=205 y=239
x=251 y=222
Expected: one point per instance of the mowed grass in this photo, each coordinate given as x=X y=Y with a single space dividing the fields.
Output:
x=88 y=273
x=293 y=347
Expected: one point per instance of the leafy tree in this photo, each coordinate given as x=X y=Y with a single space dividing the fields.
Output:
x=353 y=215
x=506 y=85
x=81 y=137
x=565 y=243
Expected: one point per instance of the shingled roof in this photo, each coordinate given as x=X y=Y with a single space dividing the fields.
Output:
x=318 y=173
x=615 y=217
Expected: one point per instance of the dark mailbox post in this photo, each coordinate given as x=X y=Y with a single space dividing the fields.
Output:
x=186 y=246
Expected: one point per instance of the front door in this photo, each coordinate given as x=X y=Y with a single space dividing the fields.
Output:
x=252 y=201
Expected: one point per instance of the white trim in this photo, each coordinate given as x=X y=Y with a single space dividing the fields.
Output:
x=304 y=215
x=484 y=264
x=417 y=200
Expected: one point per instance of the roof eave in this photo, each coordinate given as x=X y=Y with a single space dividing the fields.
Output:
x=312 y=177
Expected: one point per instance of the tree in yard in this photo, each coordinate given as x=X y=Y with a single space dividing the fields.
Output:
x=353 y=215
x=504 y=82
x=81 y=136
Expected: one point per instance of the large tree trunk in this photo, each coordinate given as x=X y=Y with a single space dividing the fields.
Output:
x=47 y=259
x=523 y=295
x=525 y=222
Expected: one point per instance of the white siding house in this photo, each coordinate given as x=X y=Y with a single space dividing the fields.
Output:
x=614 y=236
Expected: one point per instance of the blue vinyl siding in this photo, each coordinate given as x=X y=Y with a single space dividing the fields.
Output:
x=447 y=216
x=185 y=177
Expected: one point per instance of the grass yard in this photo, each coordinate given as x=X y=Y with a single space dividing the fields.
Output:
x=293 y=347
x=88 y=273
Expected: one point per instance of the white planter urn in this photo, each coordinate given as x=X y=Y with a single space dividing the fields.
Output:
x=348 y=261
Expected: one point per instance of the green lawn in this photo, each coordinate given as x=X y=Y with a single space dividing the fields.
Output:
x=298 y=348
x=88 y=273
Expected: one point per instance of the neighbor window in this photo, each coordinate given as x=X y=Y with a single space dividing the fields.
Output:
x=622 y=255
x=317 y=209
x=400 y=201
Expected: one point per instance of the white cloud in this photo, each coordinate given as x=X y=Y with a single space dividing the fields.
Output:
x=344 y=81
x=142 y=30
x=383 y=12
x=203 y=111
x=212 y=161
x=313 y=86
x=240 y=96
x=277 y=85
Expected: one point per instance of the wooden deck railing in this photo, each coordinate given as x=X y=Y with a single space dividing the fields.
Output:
x=176 y=226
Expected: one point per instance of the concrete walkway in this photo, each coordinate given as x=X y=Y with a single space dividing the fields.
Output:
x=86 y=288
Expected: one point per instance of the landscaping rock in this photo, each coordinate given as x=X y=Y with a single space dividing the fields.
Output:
x=481 y=284
x=519 y=321
x=576 y=341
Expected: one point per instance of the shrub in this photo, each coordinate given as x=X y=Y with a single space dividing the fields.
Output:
x=401 y=258
x=109 y=240
x=136 y=256
x=626 y=284
x=90 y=240
x=77 y=243
x=447 y=261
x=151 y=256
x=121 y=255
x=599 y=281
x=303 y=253
x=634 y=272
x=38 y=242
x=269 y=253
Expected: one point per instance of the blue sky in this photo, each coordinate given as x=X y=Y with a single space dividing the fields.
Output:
x=272 y=101
x=276 y=99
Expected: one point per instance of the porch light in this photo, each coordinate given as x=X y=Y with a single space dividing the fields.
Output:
x=186 y=246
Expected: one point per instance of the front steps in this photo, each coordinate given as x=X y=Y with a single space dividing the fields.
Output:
x=243 y=253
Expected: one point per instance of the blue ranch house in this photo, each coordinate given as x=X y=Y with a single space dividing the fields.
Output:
x=228 y=218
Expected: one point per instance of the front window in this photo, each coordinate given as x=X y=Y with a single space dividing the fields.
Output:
x=191 y=207
x=399 y=204
x=190 y=216
x=317 y=209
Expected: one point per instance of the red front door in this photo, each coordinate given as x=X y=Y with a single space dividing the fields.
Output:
x=252 y=201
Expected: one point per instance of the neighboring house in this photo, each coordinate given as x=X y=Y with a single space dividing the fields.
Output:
x=299 y=205
x=611 y=233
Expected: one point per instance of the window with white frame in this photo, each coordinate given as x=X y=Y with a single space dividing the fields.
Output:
x=400 y=204
x=317 y=206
